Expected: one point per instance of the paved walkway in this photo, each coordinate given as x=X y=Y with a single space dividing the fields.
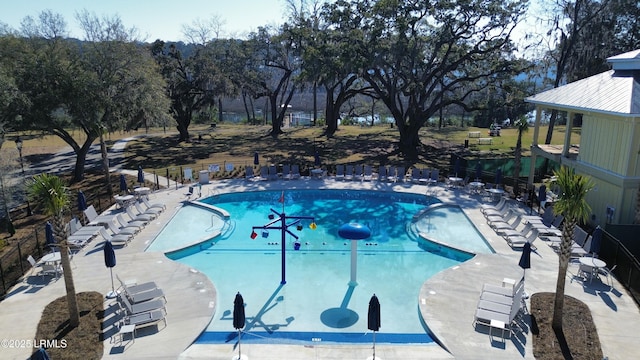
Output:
x=447 y=300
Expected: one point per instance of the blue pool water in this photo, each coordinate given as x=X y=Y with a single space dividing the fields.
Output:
x=318 y=303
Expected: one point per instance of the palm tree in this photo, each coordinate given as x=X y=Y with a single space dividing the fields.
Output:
x=522 y=126
x=52 y=195
x=572 y=204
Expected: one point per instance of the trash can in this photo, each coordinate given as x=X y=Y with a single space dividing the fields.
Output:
x=203 y=176
x=466 y=143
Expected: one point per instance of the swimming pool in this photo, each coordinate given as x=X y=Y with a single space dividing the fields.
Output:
x=318 y=302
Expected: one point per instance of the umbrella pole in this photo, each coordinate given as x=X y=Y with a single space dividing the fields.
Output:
x=112 y=294
x=239 y=349
x=374 y=345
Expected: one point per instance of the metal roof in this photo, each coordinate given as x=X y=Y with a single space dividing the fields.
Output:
x=615 y=92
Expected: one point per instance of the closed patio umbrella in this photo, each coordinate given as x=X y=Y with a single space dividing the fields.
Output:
x=123 y=183
x=256 y=160
x=140 y=175
x=316 y=158
x=110 y=262
x=82 y=201
x=48 y=232
x=525 y=260
x=478 y=170
x=596 y=241
x=238 y=320
x=498 y=177
x=456 y=166
x=373 y=320
x=542 y=196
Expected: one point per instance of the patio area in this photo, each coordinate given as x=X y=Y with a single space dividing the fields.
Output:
x=447 y=300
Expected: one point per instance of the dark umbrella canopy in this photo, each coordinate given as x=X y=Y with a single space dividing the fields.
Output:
x=525 y=258
x=109 y=255
x=256 y=160
x=316 y=158
x=238 y=312
x=478 y=170
x=596 y=240
x=82 y=201
x=123 y=183
x=41 y=354
x=373 y=320
x=140 y=175
x=542 y=193
x=48 y=231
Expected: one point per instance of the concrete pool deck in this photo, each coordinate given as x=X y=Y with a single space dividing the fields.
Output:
x=447 y=301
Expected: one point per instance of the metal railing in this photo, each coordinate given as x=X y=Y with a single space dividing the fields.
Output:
x=627 y=270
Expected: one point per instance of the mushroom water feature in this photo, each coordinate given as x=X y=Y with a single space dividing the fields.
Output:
x=354 y=231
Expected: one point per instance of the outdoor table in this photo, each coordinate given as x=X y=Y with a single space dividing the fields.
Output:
x=141 y=191
x=316 y=173
x=477 y=186
x=495 y=193
x=594 y=263
x=53 y=258
x=455 y=181
x=123 y=200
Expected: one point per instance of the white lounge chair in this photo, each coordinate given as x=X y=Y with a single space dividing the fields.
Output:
x=435 y=177
x=149 y=211
x=139 y=297
x=425 y=177
x=501 y=226
x=518 y=241
x=129 y=230
x=368 y=173
x=138 y=217
x=129 y=223
x=415 y=175
x=272 y=173
x=286 y=172
x=248 y=173
x=115 y=239
x=146 y=319
x=392 y=175
x=93 y=218
x=499 y=206
x=146 y=202
x=348 y=172
x=143 y=307
x=134 y=287
x=295 y=171
x=339 y=172
x=382 y=173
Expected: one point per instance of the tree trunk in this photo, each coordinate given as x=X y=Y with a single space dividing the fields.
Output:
x=409 y=139
x=331 y=115
x=81 y=158
x=184 y=132
x=65 y=260
x=517 y=164
x=563 y=263
x=105 y=166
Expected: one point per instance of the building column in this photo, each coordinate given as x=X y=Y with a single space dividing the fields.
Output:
x=534 y=144
x=567 y=135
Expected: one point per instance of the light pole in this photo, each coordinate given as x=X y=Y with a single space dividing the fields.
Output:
x=24 y=178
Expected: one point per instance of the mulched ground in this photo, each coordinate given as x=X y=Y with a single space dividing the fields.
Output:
x=83 y=342
x=579 y=338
